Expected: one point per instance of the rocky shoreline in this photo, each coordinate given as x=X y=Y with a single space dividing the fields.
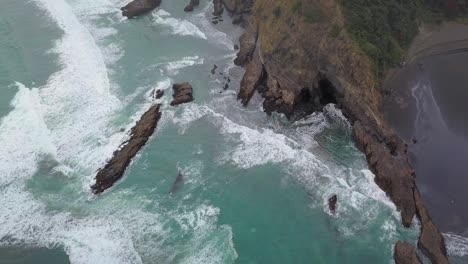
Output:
x=297 y=76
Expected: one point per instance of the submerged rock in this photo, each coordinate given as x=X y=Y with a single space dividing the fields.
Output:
x=115 y=168
x=332 y=203
x=405 y=253
x=192 y=5
x=139 y=7
x=179 y=181
x=183 y=93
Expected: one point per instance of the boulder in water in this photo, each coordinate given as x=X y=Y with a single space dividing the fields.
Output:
x=191 y=5
x=115 y=168
x=332 y=203
x=179 y=181
x=183 y=93
x=139 y=7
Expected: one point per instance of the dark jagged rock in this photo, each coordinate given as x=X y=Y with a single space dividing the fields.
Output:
x=332 y=203
x=182 y=93
x=218 y=8
x=157 y=94
x=405 y=253
x=139 y=7
x=179 y=181
x=236 y=47
x=192 y=5
x=115 y=168
x=431 y=242
x=213 y=71
x=226 y=86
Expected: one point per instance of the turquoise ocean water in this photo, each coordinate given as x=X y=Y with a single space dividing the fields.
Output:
x=75 y=74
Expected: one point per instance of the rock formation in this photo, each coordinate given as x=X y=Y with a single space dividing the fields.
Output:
x=332 y=203
x=218 y=8
x=183 y=93
x=179 y=181
x=405 y=253
x=301 y=61
x=431 y=242
x=192 y=5
x=116 y=166
x=139 y=7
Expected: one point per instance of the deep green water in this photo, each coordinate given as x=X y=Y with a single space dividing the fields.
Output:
x=73 y=73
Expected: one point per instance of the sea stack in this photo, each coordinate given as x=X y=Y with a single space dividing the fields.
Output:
x=182 y=93
x=139 y=7
x=115 y=168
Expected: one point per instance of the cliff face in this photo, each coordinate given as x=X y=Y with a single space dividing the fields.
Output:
x=298 y=56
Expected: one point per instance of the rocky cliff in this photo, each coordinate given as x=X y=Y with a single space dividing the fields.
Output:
x=299 y=57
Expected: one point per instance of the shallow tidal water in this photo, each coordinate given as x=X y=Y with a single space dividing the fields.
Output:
x=74 y=74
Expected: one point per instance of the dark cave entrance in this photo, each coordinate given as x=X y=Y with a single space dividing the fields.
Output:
x=327 y=92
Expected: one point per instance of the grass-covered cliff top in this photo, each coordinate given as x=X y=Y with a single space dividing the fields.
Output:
x=384 y=29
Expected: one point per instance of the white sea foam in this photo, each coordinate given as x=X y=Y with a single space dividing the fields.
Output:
x=456 y=245
x=211 y=32
x=176 y=26
x=76 y=99
x=173 y=67
x=67 y=119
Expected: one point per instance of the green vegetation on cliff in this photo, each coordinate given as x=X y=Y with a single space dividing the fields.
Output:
x=384 y=29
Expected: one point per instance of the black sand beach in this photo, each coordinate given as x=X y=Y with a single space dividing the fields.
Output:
x=428 y=107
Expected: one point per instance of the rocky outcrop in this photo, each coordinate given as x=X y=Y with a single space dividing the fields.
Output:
x=332 y=203
x=301 y=61
x=116 y=166
x=431 y=242
x=248 y=42
x=192 y=5
x=182 y=93
x=139 y=7
x=218 y=8
x=254 y=77
x=405 y=253
x=388 y=161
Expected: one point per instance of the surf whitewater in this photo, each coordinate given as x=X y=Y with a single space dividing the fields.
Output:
x=254 y=188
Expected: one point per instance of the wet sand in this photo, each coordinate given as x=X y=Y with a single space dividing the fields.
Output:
x=428 y=107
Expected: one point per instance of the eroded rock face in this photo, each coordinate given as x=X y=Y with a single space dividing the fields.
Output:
x=192 y=5
x=248 y=42
x=405 y=253
x=139 y=7
x=431 y=242
x=115 y=168
x=253 y=77
x=182 y=93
